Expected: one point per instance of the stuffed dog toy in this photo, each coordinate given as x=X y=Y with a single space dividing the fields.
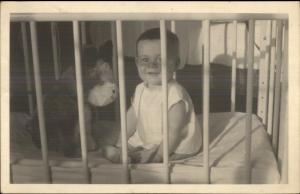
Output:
x=60 y=104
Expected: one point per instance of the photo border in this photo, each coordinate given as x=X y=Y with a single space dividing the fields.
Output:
x=290 y=8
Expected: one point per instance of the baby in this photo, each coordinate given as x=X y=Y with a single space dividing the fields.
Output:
x=144 y=117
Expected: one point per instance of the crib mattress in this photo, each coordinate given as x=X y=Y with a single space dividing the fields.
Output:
x=226 y=158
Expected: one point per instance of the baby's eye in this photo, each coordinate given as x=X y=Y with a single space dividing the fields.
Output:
x=145 y=60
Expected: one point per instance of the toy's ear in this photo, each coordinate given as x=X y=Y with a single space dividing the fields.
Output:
x=106 y=51
x=89 y=56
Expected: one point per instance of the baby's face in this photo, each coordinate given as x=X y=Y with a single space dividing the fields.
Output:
x=149 y=62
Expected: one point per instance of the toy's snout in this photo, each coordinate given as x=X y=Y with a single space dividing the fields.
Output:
x=102 y=95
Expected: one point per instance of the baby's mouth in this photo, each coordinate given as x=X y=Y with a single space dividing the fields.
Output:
x=153 y=73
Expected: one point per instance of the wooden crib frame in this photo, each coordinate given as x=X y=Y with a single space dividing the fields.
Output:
x=272 y=76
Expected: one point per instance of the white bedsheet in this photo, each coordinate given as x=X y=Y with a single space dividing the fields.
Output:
x=226 y=154
x=227 y=150
x=227 y=141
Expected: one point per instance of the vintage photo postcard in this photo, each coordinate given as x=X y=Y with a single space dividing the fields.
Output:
x=150 y=97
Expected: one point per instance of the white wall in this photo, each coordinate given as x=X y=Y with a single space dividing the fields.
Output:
x=189 y=33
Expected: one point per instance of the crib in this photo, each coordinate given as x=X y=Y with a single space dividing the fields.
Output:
x=248 y=147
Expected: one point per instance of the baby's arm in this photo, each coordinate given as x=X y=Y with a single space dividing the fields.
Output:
x=113 y=153
x=177 y=118
x=131 y=124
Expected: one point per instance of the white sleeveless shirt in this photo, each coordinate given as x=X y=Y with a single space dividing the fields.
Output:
x=148 y=104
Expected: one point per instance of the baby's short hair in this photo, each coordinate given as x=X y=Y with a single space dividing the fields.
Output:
x=154 y=34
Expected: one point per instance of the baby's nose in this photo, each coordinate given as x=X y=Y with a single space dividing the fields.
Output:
x=154 y=64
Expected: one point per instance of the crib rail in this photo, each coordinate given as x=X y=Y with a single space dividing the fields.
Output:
x=277 y=87
x=206 y=73
x=233 y=68
x=272 y=78
x=118 y=54
x=40 y=106
x=250 y=61
x=55 y=49
x=264 y=68
x=165 y=100
x=80 y=100
x=122 y=98
x=27 y=67
x=143 y=16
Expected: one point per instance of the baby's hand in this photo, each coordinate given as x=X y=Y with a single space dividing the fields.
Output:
x=143 y=156
x=112 y=153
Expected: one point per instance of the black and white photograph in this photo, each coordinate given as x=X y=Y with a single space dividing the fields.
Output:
x=147 y=97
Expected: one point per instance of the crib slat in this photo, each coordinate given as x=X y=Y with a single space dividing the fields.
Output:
x=206 y=87
x=264 y=75
x=163 y=43
x=27 y=67
x=122 y=98
x=277 y=87
x=142 y=26
x=80 y=100
x=114 y=43
x=250 y=61
x=39 y=96
x=173 y=29
x=55 y=49
x=271 y=84
x=284 y=109
x=115 y=66
x=83 y=32
x=233 y=69
x=173 y=26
